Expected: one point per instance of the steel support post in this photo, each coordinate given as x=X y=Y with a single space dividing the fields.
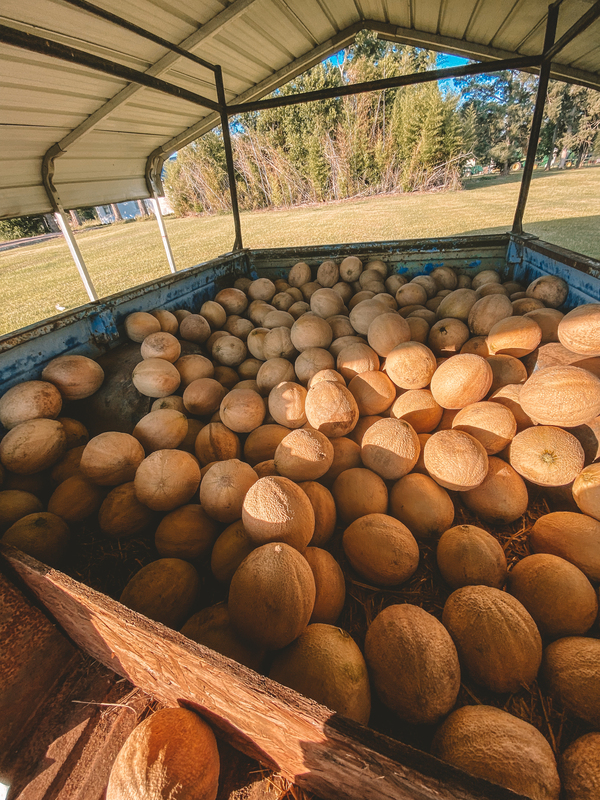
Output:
x=237 y=245
x=536 y=123
x=163 y=232
x=63 y=223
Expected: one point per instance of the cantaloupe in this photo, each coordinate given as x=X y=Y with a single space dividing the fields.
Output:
x=161 y=345
x=556 y=593
x=121 y=514
x=111 y=458
x=172 y=753
x=41 y=535
x=455 y=460
x=75 y=431
x=461 y=380
x=390 y=447
x=580 y=768
x=331 y=409
x=156 y=377
x=413 y=663
x=485 y=313
x=502 y=495
x=303 y=455
x=242 y=410
x=215 y=442
x=419 y=408
x=229 y=550
x=167 y=479
x=330 y=585
x=164 y=590
x=311 y=331
x=469 y=556
x=160 y=430
x=326 y=664
x=410 y=365
x=140 y=324
x=229 y=351
x=447 y=336
x=381 y=549
x=514 y=336
x=275 y=509
x=188 y=532
x=271 y=596
x=29 y=400
x=299 y=274
x=203 y=396
x=546 y=455
x=422 y=505
x=214 y=314
x=272 y=373
x=33 y=446
x=550 y=289
x=571 y=673
x=491 y=743
x=497 y=640
x=311 y=361
x=76 y=499
x=563 y=396
x=579 y=330
x=358 y=492
x=373 y=391
x=233 y=300
x=574 y=537
x=15 y=504
x=387 y=331
x=192 y=367
x=324 y=509
x=212 y=628
x=224 y=488
x=492 y=424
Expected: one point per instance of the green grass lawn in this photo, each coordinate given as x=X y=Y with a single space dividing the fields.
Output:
x=563 y=208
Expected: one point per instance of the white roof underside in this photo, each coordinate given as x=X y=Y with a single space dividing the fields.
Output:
x=108 y=128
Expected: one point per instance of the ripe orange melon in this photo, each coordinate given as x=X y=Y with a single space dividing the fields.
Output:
x=413 y=663
x=272 y=595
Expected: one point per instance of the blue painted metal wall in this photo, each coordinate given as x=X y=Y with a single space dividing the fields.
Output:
x=97 y=327
x=529 y=258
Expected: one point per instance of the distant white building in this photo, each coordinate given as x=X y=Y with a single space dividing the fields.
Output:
x=131 y=209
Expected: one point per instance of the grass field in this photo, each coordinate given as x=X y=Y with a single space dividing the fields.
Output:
x=563 y=208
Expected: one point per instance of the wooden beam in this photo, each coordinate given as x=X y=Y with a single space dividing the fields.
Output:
x=311 y=745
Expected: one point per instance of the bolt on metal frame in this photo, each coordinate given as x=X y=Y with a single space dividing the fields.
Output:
x=54 y=49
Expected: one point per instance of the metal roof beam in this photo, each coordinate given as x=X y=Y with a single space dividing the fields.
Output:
x=385 y=83
x=278 y=78
x=582 y=24
x=38 y=44
x=460 y=47
x=130 y=26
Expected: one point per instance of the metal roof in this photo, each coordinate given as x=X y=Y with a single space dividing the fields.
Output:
x=110 y=133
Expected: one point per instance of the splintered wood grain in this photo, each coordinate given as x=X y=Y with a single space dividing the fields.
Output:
x=288 y=733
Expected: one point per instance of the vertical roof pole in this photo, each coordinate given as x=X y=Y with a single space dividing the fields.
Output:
x=536 y=123
x=163 y=231
x=237 y=245
x=62 y=220
x=63 y=224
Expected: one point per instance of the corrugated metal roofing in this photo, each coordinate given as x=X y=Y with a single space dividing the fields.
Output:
x=111 y=131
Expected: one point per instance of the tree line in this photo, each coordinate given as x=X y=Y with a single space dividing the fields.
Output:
x=416 y=138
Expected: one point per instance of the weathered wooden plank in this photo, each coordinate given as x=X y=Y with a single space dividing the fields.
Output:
x=312 y=746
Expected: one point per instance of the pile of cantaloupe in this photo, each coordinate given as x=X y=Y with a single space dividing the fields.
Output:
x=352 y=401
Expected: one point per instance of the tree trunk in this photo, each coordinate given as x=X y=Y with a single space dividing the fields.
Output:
x=116 y=212
x=142 y=207
x=75 y=220
x=551 y=153
x=563 y=158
